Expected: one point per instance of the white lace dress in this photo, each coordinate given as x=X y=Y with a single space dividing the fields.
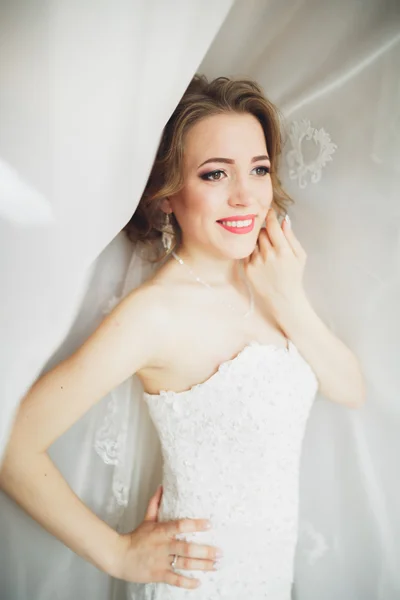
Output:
x=231 y=452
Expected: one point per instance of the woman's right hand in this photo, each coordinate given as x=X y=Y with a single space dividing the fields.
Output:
x=145 y=555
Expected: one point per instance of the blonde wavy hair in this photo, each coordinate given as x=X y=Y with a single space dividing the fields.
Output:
x=201 y=99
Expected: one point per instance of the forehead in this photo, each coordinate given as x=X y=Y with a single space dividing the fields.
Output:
x=227 y=135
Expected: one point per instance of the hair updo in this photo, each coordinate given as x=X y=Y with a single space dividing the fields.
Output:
x=201 y=99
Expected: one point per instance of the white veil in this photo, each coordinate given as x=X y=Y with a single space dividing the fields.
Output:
x=333 y=69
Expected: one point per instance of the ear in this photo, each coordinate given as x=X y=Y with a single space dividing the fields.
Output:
x=166 y=206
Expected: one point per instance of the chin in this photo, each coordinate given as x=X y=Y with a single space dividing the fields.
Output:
x=239 y=253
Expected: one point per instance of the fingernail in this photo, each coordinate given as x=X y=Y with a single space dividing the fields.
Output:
x=219 y=554
x=287 y=219
x=217 y=564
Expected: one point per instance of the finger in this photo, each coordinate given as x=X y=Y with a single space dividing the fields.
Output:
x=253 y=256
x=246 y=261
x=274 y=230
x=250 y=259
x=292 y=240
x=191 y=550
x=194 y=564
x=180 y=581
x=152 y=509
x=187 y=526
x=264 y=246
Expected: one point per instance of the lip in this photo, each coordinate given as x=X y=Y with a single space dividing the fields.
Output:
x=238 y=230
x=237 y=218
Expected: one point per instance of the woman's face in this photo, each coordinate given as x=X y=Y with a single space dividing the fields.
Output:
x=227 y=187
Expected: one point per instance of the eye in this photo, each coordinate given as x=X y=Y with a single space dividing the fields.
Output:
x=264 y=170
x=211 y=175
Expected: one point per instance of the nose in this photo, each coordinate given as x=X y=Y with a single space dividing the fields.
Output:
x=241 y=194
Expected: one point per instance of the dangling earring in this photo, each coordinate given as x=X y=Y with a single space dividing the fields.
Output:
x=168 y=234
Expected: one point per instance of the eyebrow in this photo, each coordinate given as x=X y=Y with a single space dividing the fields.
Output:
x=230 y=161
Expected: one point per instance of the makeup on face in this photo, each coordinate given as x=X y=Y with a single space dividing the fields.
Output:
x=230 y=161
x=238 y=224
x=227 y=182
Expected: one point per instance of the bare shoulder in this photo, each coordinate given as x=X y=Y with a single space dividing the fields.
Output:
x=160 y=313
x=161 y=292
x=146 y=304
x=147 y=315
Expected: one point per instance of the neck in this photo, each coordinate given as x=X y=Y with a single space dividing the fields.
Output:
x=213 y=269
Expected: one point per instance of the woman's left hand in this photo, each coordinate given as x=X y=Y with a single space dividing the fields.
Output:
x=276 y=266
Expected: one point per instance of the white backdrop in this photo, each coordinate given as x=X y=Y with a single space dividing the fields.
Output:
x=80 y=123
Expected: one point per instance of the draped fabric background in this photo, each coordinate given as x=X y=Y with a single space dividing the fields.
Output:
x=85 y=90
x=100 y=83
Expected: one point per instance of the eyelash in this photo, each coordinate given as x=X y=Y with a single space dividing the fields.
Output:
x=207 y=176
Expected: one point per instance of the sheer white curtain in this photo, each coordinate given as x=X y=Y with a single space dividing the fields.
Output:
x=333 y=68
x=85 y=90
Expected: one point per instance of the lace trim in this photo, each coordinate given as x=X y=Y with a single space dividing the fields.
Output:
x=223 y=367
x=110 y=439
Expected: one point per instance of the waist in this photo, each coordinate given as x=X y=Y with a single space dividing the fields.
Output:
x=270 y=545
x=226 y=501
x=235 y=517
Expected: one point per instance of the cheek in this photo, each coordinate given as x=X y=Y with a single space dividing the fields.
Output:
x=203 y=201
x=265 y=198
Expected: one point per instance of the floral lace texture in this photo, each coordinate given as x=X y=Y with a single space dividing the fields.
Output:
x=231 y=453
x=301 y=169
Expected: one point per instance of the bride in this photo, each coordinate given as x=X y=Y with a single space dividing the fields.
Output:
x=230 y=354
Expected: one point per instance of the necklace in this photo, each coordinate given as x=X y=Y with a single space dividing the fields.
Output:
x=210 y=287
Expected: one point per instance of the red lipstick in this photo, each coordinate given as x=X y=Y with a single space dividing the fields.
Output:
x=238 y=229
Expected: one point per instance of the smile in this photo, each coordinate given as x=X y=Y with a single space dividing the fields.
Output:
x=244 y=226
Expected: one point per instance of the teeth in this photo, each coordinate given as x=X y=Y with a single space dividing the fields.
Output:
x=237 y=223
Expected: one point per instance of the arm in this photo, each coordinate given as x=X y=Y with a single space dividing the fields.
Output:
x=335 y=366
x=118 y=348
x=275 y=269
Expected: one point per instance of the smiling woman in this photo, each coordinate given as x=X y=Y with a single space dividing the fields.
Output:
x=238 y=109
x=230 y=397
x=240 y=223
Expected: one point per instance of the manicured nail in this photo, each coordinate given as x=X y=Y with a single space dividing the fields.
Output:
x=287 y=219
